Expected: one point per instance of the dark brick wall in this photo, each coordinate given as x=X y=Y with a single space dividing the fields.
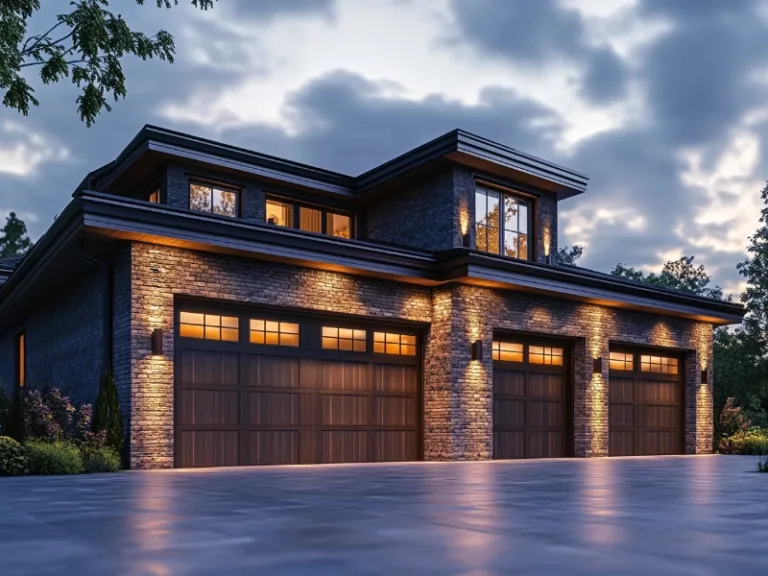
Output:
x=424 y=216
x=178 y=176
x=63 y=340
x=546 y=226
x=122 y=338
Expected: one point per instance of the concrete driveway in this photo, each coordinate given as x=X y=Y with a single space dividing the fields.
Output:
x=677 y=515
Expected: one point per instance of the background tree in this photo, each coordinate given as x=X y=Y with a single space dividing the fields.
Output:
x=13 y=237
x=680 y=274
x=107 y=417
x=86 y=43
x=568 y=255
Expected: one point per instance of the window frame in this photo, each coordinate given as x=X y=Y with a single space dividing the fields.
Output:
x=213 y=185
x=531 y=203
x=20 y=360
x=637 y=352
x=325 y=210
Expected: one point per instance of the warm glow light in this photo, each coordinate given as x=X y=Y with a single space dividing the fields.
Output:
x=547 y=236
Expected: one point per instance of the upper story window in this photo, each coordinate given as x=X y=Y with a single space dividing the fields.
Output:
x=154 y=196
x=213 y=199
x=502 y=222
x=308 y=218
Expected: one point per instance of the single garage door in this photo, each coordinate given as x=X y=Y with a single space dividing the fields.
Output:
x=531 y=399
x=645 y=403
x=270 y=388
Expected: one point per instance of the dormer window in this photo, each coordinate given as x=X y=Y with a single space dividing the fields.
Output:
x=502 y=223
x=213 y=199
x=308 y=218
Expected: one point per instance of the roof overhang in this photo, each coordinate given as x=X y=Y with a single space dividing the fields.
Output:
x=156 y=146
x=119 y=219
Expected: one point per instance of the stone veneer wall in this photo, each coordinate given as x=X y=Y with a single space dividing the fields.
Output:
x=458 y=420
x=159 y=274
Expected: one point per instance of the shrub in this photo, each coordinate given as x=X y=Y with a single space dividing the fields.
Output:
x=762 y=464
x=102 y=459
x=107 y=415
x=752 y=441
x=5 y=409
x=54 y=457
x=15 y=427
x=731 y=419
x=13 y=457
x=48 y=415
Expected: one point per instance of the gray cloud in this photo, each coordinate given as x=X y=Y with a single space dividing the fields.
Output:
x=535 y=32
x=269 y=9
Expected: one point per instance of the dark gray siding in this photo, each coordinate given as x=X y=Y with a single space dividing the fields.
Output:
x=422 y=216
x=64 y=340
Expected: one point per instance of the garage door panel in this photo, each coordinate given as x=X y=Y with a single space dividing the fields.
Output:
x=509 y=413
x=199 y=367
x=394 y=446
x=622 y=390
x=660 y=392
x=660 y=417
x=346 y=376
x=509 y=383
x=206 y=448
x=622 y=443
x=544 y=444
x=545 y=385
x=343 y=446
x=201 y=407
x=345 y=410
x=272 y=447
x=622 y=416
x=273 y=409
x=270 y=371
x=395 y=378
x=659 y=443
x=509 y=444
x=392 y=411
x=544 y=414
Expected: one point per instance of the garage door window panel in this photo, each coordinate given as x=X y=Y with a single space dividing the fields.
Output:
x=273 y=333
x=209 y=327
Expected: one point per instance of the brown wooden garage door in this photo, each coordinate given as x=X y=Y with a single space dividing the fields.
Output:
x=531 y=399
x=258 y=388
x=645 y=403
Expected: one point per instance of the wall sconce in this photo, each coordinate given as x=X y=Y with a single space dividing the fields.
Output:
x=465 y=240
x=157 y=342
x=597 y=365
x=476 y=350
x=705 y=376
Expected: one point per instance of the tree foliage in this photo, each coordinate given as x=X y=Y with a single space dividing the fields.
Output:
x=107 y=416
x=86 y=43
x=13 y=237
x=568 y=255
x=680 y=274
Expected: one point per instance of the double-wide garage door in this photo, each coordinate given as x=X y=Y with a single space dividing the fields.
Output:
x=531 y=399
x=646 y=403
x=268 y=388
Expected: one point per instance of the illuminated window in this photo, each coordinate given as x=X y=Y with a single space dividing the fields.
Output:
x=274 y=333
x=622 y=361
x=658 y=364
x=343 y=339
x=338 y=225
x=154 y=196
x=279 y=213
x=21 y=360
x=508 y=351
x=545 y=355
x=501 y=223
x=386 y=343
x=208 y=326
x=212 y=199
x=310 y=219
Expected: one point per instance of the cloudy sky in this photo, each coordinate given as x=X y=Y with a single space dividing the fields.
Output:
x=662 y=103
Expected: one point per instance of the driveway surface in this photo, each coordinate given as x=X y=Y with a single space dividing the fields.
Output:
x=703 y=515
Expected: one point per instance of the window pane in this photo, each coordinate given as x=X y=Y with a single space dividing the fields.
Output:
x=522 y=221
x=492 y=222
x=230 y=334
x=224 y=202
x=621 y=361
x=22 y=360
x=512 y=246
x=508 y=351
x=191 y=318
x=279 y=213
x=511 y=213
x=310 y=220
x=339 y=225
x=154 y=197
x=481 y=231
x=229 y=322
x=289 y=339
x=191 y=331
x=330 y=343
x=200 y=198
x=330 y=332
x=212 y=333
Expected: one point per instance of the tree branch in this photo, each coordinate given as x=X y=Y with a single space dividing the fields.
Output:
x=25 y=51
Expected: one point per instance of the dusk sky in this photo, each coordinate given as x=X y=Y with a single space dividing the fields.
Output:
x=662 y=103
